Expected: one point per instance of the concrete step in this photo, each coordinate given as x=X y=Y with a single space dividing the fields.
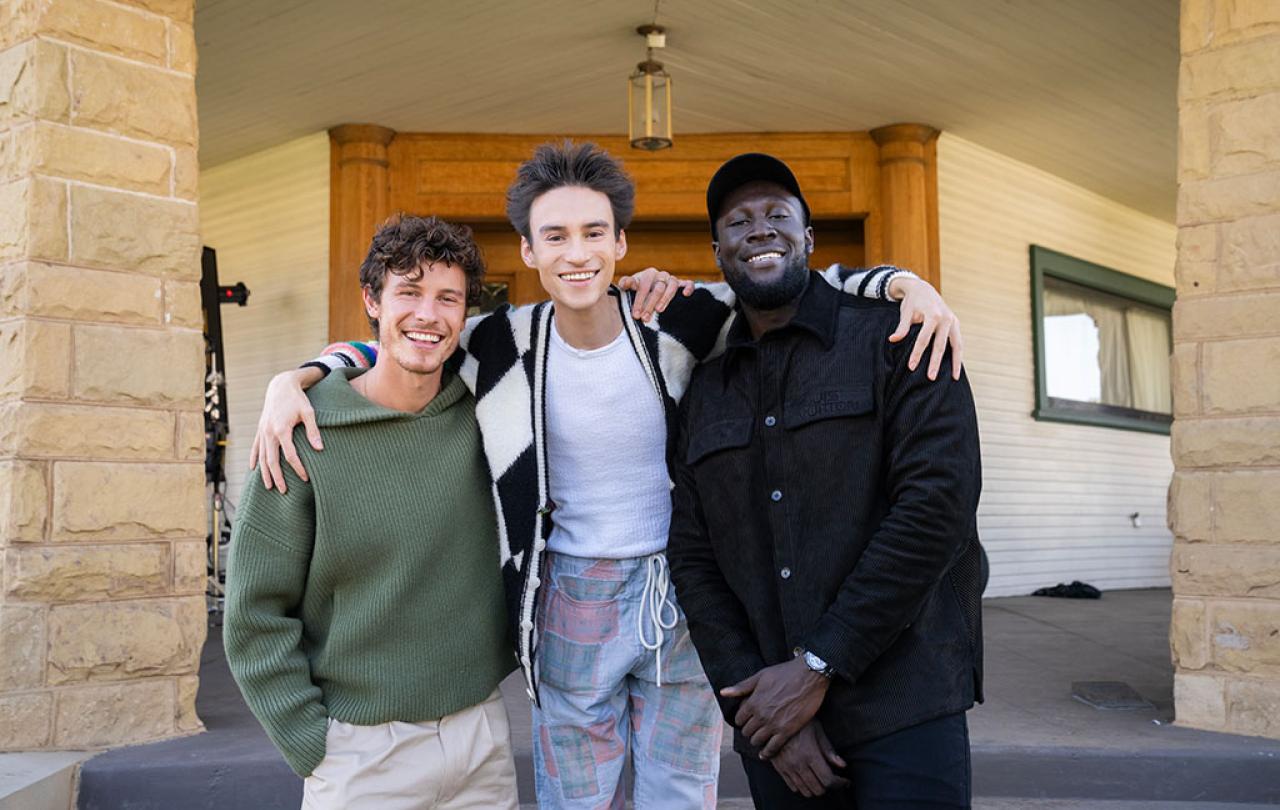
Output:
x=38 y=780
x=209 y=776
x=1102 y=775
x=1062 y=779
x=1036 y=804
x=1092 y=804
x=723 y=804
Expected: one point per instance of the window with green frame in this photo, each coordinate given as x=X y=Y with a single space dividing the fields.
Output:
x=1102 y=345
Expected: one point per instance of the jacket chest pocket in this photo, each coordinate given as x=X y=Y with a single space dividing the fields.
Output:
x=817 y=404
x=707 y=440
x=722 y=461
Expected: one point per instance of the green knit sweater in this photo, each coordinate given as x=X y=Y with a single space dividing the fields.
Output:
x=372 y=593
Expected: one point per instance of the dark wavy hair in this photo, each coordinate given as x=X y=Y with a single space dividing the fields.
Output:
x=568 y=164
x=407 y=245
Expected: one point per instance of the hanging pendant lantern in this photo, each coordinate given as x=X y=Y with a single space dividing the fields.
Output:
x=649 y=97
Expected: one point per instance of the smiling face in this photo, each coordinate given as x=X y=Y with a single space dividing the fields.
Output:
x=420 y=315
x=763 y=245
x=573 y=246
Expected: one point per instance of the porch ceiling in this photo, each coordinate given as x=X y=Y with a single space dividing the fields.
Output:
x=1085 y=90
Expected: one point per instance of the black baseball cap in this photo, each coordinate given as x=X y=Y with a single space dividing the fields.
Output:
x=749 y=168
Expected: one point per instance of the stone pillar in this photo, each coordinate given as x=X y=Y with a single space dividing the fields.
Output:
x=102 y=518
x=1225 y=499
x=360 y=190
x=909 y=196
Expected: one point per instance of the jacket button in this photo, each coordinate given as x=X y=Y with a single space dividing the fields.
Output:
x=776 y=495
x=770 y=421
x=785 y=573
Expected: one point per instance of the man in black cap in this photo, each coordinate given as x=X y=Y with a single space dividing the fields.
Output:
x=824 y=542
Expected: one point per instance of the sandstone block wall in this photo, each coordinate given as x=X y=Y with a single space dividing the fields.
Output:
x=102 y=516
x=1225 y=498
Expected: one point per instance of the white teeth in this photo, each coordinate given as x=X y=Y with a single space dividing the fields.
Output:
x=578 y=276
x=763 y=256
x=425 y=337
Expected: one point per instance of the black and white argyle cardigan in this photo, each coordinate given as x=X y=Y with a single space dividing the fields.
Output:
x=503 y=360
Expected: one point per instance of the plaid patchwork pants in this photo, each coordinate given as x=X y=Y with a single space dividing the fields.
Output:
x=600 y=696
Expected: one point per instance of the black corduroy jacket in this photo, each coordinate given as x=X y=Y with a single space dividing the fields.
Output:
x=825 y=500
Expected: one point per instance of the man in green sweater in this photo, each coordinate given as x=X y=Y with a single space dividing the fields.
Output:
x=365 y=621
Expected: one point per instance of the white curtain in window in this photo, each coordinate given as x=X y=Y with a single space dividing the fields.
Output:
x=1148 y=335
x=1113 y=341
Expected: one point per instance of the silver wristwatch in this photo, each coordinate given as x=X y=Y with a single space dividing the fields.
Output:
x=818 y=665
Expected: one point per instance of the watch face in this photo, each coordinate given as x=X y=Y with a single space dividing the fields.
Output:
x=814 y=662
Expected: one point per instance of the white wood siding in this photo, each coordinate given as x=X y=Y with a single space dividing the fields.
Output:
x=267 y=216
x=1056 y=498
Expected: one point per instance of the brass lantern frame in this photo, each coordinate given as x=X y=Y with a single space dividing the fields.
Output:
x=647 y=74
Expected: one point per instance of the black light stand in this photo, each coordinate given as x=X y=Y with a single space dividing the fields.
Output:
x=216 y=425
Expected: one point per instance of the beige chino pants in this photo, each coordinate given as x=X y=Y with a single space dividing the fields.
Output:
x=460 y=762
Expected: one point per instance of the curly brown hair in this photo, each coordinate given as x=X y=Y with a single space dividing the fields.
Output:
x=568 y=164
x=407 y=245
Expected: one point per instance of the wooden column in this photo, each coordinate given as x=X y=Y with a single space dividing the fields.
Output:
x=360 y=201
x=909 y=197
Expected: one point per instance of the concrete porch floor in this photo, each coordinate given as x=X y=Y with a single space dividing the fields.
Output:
x=1033 y=745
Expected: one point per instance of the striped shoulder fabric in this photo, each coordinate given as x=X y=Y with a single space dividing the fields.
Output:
x=345 y=355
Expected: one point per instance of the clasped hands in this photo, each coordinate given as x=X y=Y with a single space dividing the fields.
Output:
x=777 y=715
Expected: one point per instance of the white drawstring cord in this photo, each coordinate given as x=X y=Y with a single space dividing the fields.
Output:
x=653 y=602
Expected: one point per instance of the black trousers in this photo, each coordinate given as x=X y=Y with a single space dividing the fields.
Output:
x=925 y=767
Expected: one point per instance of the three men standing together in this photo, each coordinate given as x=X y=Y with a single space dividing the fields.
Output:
x=822 y=543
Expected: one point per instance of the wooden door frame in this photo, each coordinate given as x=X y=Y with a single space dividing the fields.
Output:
x=887 y=178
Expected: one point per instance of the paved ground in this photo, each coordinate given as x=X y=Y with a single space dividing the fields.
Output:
x=1034 y=746
x=1031 y=739
x=1037 y=647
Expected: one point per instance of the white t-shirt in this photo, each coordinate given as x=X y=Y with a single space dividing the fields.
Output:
x=606 y=453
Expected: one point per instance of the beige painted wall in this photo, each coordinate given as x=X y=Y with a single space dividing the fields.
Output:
x=267 y=216
x=1056 y=497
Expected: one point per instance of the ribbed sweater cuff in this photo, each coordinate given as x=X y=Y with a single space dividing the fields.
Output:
x=304 y=747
